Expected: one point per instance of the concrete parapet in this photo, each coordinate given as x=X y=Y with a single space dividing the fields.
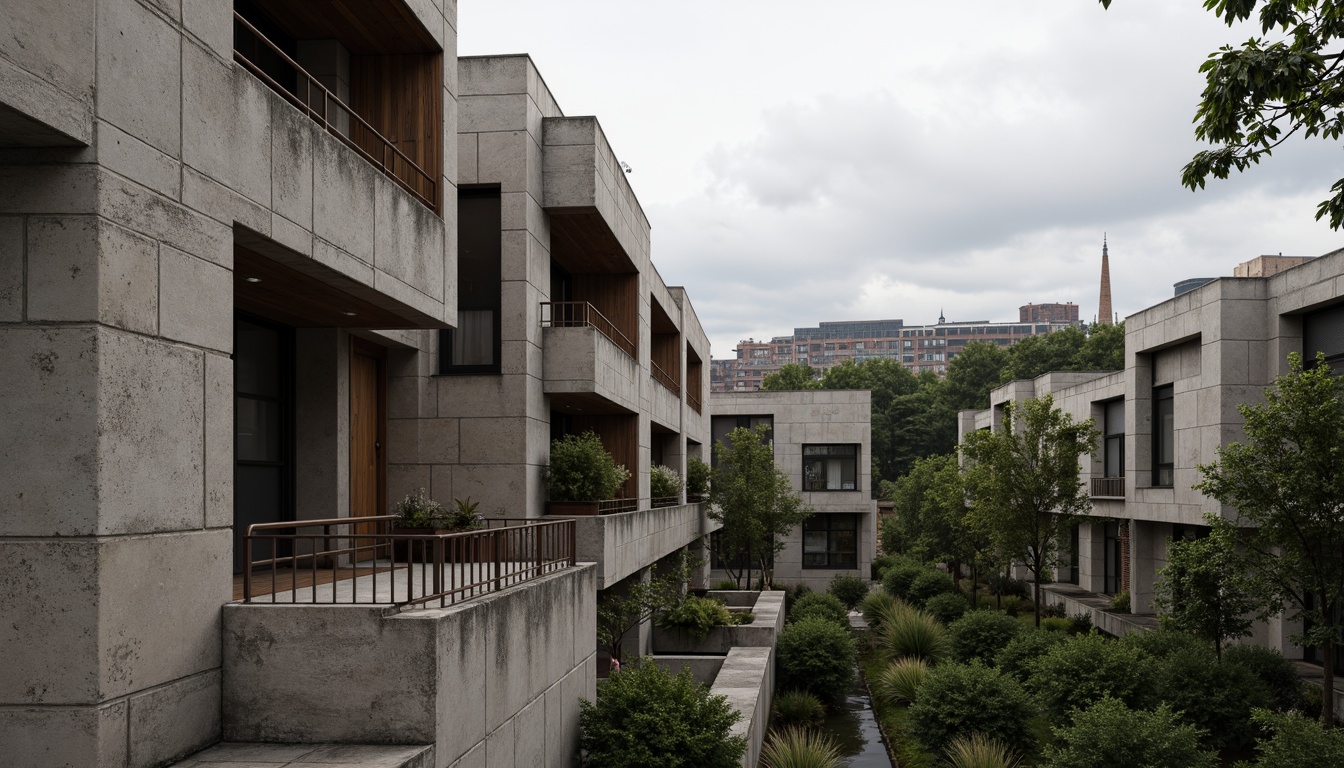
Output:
x=623 y=543
x=747 y=680
x=762 y=632
x=582 y=360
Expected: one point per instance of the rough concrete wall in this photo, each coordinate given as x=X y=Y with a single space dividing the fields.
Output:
x=623 y=543
x=747 y=679
x=48 y=86
x=583 y=360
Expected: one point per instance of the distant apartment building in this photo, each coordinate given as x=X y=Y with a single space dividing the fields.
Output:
x=918 y=347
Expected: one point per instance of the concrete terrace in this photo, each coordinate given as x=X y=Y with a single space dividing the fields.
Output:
x=248 y=755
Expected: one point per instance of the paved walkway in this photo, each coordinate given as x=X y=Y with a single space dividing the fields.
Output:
x=239 y=755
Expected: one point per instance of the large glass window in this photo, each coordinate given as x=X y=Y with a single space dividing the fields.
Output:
x=1164 y=436
x=473 y=346
x=830 y=467
x=831 y=541
x=1113 y=451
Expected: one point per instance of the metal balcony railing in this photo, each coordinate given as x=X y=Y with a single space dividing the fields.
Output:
x=359 y=560
x=664 y=378
x=320 y=104
x=617 y=505
x=580 y=314
x=1108 y=487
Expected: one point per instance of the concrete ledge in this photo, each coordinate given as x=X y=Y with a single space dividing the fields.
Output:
x=762 y=632
x=313 y=755
x=1076 y=600
x=627 y=542
x=583 y=360
x=747 y=679
x=703 y=668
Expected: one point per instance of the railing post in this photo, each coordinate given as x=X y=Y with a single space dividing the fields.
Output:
x=438 y=566
x=247 y=567
x=494 y=553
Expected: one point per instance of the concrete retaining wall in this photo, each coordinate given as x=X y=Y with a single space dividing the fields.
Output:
x=747 y=679
x=762 y=632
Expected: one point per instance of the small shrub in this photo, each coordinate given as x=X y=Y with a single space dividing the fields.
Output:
x=1282 y=683
x=1056 y=624
x=915 y=635
x=1162 y=643
x=647 y=716
x=928 y=584
x=1087 y=668
x=979 y=751
x=816 y=656
x=880 y=565
x=1018 y=655
x=582 y=470
x=1013 y=605
x=899 y=682
x=1121 y=602
x=800 y=748
x=822 y=604
x=947 y=608
x=981 y=635
x=961 y=699
x=1080 y=624
x=1052 y=611
x=797 y=708
x=1006 y=585
x=1110 y=735
x=850 y=589
x=1297 y=742
x=1216 y=698
x=876 y=606
x=697 y=477
x=698 y=615
x=726 y=584
x=898 y=578
x=664 y=482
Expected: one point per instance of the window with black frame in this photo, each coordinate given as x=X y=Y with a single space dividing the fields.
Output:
x=831 y=541
x=1164 y=436
x=1113 y=451
x=830 y=467
x=474 y=345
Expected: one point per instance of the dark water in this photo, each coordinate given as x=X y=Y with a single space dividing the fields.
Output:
x=855 y=728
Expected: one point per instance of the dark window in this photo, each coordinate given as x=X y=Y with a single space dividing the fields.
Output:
x=1113 y=451
x=1111 y=560
x=720 y=560
x=831 y=541
x=721 y=426
x=830 y=467
x=1164 y=436
x=473 y=346
x=1072 y=574
x=1323 y=331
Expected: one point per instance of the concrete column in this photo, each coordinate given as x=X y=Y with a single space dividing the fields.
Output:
x=1148 y=554
x=321 y=423
x=1092 y=557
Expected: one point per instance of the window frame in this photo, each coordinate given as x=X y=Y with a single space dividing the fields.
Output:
x=1113 y=439
x=1164 y=437
x=855 y=457
x=832 y=554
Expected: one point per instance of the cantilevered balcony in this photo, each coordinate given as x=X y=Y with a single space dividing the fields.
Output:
x=625 y=542
x=584 y=353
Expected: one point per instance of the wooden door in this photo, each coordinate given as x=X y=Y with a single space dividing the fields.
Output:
x=367 y=437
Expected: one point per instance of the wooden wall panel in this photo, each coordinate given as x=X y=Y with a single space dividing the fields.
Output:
x=401 y=96
x=614 y=295
x=665 y=350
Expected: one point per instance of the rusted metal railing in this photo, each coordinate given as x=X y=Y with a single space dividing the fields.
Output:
x=617 y=505
x=664 y=501
x=664 y=378
x=392 y=161
x=579 y=314
x=359 y=560
x=1108 y=487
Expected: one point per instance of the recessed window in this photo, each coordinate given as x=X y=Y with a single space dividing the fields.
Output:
x=830 y=467
x=1113 y=451
x=1164 y=436
x=473 y=346
x=831 y=541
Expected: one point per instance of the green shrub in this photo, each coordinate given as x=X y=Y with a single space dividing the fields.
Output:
x=850 y=589
x=1161 y=643
x=664 y=482
x=726 y=584
x=1052 y=611
x=899 y=681
x=914 y=635
x=928 y=584
x=1021 y=652
x=797 y=708
x=1282 y=683
x=1121 y=602
x=981 y=635
x=1110 y=735
x=1080 y=624
x=877 y=607
x=880 y=565
x=697 y=477
x=1216 y=698
x=796 y=747
x=698 y=615
x=821 y=604
x=582 y=470
x=1006 y=585
x=647 y=716
x=979 y=751
x=1056 y=624
x=947 y=608
x=1087 y=668
x=817 y=656
x=1297 y=742
x=899 y=576
x=961 y=699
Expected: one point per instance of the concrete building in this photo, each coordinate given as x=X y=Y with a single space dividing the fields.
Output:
x=287 y=265
x=823 y=440
x=1189 y=362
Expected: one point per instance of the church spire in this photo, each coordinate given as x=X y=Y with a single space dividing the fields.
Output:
x=1104 y=311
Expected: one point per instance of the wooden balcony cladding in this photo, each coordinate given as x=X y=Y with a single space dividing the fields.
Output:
x=664 y=347
x=694 y=374
x=401 y=97
x=620 y=436
x=1108 y=487
x=616 y=296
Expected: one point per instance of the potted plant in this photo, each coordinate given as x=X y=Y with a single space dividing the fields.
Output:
x=697 y=479
x=581 y=474
x=664 y=486
x=419 y=514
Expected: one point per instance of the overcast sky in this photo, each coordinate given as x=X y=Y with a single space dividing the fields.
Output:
x=864 y=159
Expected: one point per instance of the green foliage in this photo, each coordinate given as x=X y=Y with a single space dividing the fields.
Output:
x=1056 y=624
x=1021 y=652
x=961 y=699
x=1284 y=483
x=817 y=656
x=726 y=584
x=797 y=747
x=898 y=578
x=899 y=681
x=879 y=607
x=582 y=470
x=973 y=373
x=1216 y=698
x=463 y=516
x=891 y=538
x=1110 y=735
x=664 y=482
x=1024 y=481
x=417 y=510
x=981 y=635
x=1104 y=349
x=1161 y=643
x=697 y=476
x=882 y=562
x=646 y=716
x=792 y=376
x=820 y=604
x=979 y=751
x=1034 y=355
x=1121 y=601
x=1279 y=676
x=915 y=635
x=849 y=589
x=1202 y=590
x=947 y=607
x=1086 y=669
x=698 y=615
x=1296 y=742
x=928 y=584
x=1080 y=624
x=753 y=499
x=930 y=500
x=619 y=611
x=797 y=708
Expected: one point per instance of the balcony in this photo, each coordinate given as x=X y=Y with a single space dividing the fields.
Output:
x=1108 y=487
x=668 y=381
x=625 y=542
x=581 y=314
x=585 y=355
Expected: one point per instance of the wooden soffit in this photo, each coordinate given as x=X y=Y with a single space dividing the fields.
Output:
x=362 y=26
x=582 y=243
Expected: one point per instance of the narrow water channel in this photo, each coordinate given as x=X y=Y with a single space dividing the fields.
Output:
x=855 y=728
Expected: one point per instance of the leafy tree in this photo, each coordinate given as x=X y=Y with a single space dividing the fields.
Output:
x=972 y=374
x=1111 y=735
x=1025 y=484
x=754 y=500
x=924 y=522
x=623 y=608
x=1203 y=591
x=1104 y=349
x=1260 y=94
x=1034 y=355
x=647 y=716
x=1286 y=483
x=1297 y=742
x=792 y=376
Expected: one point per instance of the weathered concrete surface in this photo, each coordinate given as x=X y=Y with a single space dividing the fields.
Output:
x=703 y=668
x=623 y=543
x=238 y=754
x=585 y=361
x=747 y=679
x=1077 y=601
x=763 y=631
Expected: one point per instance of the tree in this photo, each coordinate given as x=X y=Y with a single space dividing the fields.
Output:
x=619 y=611
x=972 y=374
x=1034 y=355
x=1202 y=590
x=1024 y=482
x=1104 y=349
x=754 y=500
x=1286 y=485
x=791 y=376
x=1260 y=94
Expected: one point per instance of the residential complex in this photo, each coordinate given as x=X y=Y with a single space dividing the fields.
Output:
x=918 y=347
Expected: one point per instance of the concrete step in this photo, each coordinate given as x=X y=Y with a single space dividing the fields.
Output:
x=254 y=755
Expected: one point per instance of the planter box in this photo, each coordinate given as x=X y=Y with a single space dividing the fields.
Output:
x=469 y=551
x=761 y=632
